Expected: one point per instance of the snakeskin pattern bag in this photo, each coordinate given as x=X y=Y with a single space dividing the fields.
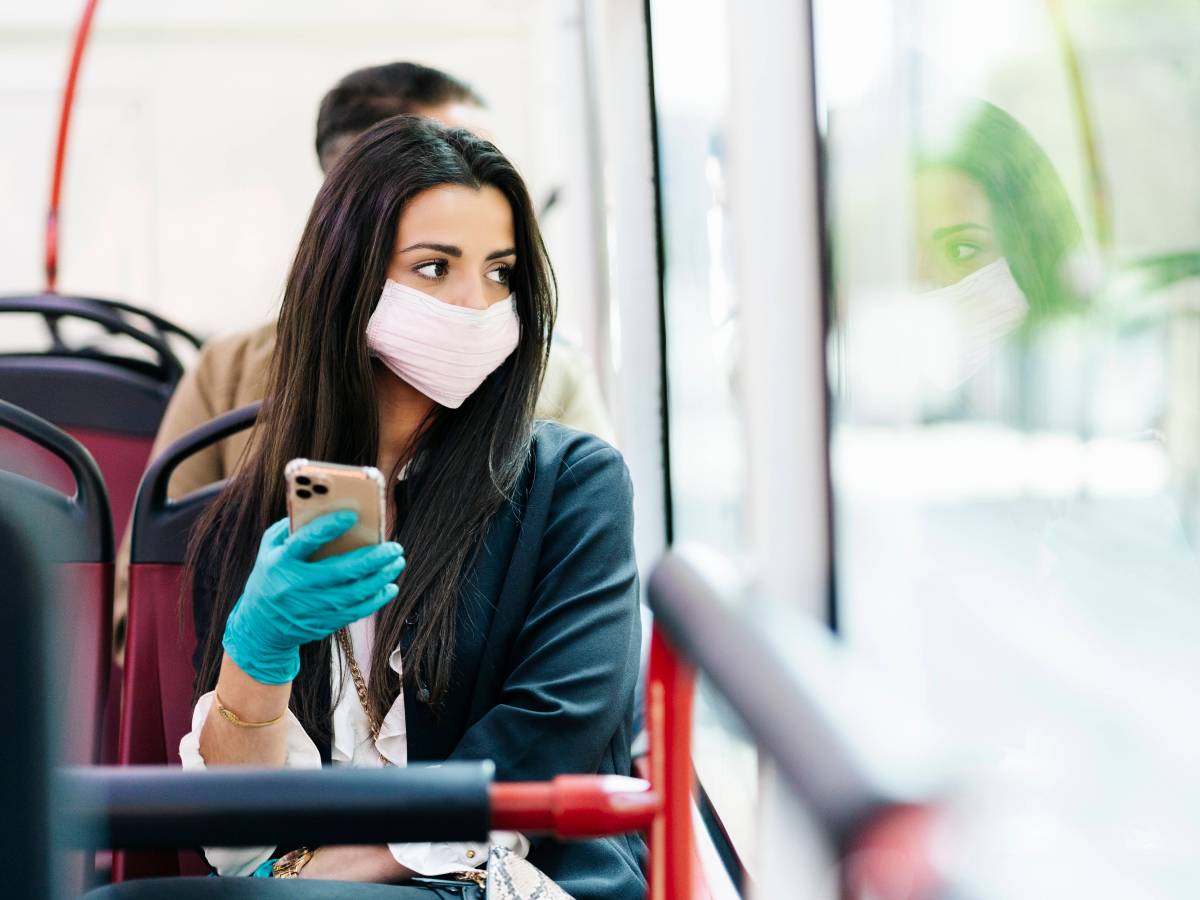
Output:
x=511 y=877
x=507 y=877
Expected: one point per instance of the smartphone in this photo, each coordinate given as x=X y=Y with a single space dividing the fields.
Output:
x=316 y=488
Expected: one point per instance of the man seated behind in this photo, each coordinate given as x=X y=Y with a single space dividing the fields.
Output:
x=231 y=371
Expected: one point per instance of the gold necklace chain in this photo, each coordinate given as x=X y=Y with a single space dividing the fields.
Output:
x=360 y=685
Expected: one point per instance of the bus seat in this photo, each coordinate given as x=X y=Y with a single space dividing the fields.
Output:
x=111 y=404
x=76 y=527
x=156 y=712
x=72 y=529
x=25 y=780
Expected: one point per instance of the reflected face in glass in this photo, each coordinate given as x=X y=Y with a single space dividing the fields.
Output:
x=456 y=243
x=954 y=229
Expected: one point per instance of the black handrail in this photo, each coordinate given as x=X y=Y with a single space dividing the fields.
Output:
x=161 y=526
x=163 y=326
x=810 y=724
x=156 y=807
x=57 y=305
x=80 y=525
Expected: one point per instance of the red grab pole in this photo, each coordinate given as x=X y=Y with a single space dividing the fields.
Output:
x=669 y=714
x=60 y=153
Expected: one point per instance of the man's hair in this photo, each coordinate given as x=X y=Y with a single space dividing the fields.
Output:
x=370 y=95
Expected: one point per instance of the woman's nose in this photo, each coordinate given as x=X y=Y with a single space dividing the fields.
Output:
x=471 y=298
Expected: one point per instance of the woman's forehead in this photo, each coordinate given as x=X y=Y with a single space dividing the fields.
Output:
x=942 y=194
x=453 y=214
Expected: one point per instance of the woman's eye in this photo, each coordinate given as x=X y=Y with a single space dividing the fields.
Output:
x=960 y=251
x=500 y=275
x=434 y=270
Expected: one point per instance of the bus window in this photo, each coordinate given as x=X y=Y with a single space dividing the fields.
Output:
x=707 y=465
x=1015 y=377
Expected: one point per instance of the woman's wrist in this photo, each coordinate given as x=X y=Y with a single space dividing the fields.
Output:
x=362 y=862
x=263 y=663
x=247 y=722
x=248 y=699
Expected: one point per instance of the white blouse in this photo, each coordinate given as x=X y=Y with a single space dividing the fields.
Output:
x=352 y=745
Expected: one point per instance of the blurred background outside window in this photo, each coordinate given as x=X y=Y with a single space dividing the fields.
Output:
x=1014 y=365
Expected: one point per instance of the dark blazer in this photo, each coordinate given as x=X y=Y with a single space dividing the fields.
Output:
x=548 y=639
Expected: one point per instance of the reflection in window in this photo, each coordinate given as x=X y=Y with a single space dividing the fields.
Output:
x=1015 y=370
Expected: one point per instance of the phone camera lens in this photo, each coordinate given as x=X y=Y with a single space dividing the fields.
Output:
x=303 y=494
x=303 y=479
x=320 y=489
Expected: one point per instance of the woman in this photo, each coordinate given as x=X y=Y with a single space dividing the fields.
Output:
x=413 y=335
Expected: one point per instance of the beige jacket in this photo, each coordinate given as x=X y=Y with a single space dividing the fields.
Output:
x=232 y=371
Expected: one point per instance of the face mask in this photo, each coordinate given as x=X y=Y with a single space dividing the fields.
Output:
x=901 y=354
x=444 y=351
x=968 y=319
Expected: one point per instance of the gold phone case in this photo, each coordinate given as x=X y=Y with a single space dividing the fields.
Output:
x=316 y=488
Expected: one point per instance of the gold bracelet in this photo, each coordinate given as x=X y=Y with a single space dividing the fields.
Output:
x=232 y=718
x=290 y=864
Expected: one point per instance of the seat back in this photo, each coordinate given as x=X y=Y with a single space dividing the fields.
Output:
x=110 y=404
x=25 y=775
x=161 y=639
x=77 y=528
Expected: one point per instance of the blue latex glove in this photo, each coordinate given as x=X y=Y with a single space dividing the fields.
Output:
x=289 y=601
x=266 y=870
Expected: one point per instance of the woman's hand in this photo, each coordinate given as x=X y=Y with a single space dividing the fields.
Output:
x=367 y=862
x=289 y=601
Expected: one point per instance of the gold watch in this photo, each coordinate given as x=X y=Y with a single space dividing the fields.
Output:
x=290 y=864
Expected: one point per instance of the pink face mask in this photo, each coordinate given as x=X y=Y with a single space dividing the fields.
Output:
x=444 y=351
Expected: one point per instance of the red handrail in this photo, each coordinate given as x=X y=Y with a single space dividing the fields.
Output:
x=60 y=153
x=574 y=805
x=588 y=805
x=669 y=695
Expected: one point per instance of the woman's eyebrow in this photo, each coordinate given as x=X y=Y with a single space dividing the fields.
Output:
x=940 y=233
x=448 y=249
x=511 y=251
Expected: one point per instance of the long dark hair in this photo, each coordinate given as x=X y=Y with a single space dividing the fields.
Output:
x=320 y=403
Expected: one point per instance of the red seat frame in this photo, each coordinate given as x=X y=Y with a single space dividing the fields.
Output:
x=78 y=532
x=110 y=404
x=160 y=634
x=156 y=712
x=73 y=525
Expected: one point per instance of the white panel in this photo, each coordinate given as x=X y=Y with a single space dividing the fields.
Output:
x=191 y=167
x=560 y=151
x=625 y=156
x=773 y=189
